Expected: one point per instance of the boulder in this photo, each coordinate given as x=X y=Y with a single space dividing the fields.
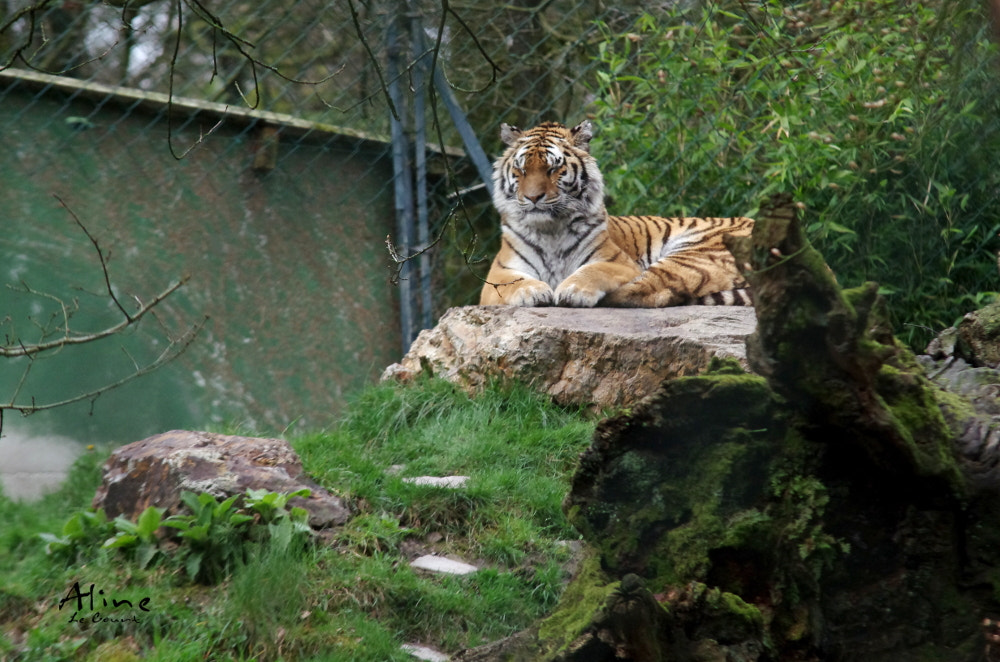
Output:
x=607 y=357
x=978 y=337
x=154 y=472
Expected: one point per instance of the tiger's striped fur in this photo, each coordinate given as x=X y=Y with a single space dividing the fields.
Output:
x=560 y=247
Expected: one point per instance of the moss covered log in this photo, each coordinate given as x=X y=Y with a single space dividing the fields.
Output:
x=831 y=354
x=812 y=511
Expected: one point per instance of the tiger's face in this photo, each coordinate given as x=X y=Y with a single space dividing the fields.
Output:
x=547 y=177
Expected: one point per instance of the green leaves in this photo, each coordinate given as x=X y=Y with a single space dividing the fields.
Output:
x=82 y=530
x=877 y=121
x=214 y=535
x=218 y=533
x=140 y=537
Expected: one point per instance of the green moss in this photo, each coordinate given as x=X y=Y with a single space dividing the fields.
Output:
x=695 y=457
x=724 y=617
x=724 y=366
x=683 y=552
x=734 y=605
x=582 y=600
x=988 y=319
x=913 y=404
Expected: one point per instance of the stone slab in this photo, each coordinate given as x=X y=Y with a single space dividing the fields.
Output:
x=608 y=357
x=425 y=653
x=453 y=482
x=444 y=565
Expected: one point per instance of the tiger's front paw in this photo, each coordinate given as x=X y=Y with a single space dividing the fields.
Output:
x=573 y=295
x=530 y=293
x=637 y=295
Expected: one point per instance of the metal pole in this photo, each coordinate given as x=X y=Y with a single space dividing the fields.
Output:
x=420 y=160
x=473 y=149
x=403 y=186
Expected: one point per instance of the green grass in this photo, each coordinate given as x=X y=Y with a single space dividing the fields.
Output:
x=352 y=595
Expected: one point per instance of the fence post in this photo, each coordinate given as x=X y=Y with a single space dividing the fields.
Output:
x=402 y=185
x=420 y=160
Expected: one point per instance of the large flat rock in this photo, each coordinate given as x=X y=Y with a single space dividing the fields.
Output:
x=590 y=356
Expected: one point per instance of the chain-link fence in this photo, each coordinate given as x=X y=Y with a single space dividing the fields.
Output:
x=349 y=64
x=267 y=150
x=700 y=108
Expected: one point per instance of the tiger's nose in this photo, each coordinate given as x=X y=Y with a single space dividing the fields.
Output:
x=535 y=198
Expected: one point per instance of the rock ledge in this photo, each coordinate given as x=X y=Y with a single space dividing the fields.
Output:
x=608 y=357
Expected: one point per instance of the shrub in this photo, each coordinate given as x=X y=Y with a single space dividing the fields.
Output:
x=214 y=536
x=881 y=119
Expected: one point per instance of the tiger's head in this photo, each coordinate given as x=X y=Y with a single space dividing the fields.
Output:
x=547 y=177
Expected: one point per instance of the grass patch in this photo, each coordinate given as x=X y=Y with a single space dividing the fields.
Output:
x=352 y=595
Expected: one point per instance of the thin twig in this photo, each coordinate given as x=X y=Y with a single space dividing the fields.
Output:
x=374 y=60
x=28 y=350
x=171 y=352
x=100 y=256
x=494 y=68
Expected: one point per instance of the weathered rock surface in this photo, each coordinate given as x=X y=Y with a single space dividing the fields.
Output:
x=154 y=472
x=978 y=337
x=595 y=356
x=977 y=416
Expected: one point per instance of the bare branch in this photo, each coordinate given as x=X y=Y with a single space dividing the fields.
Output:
x=494 y=68
x=100 y=256
x=171 y=352
x=70 y=339
x=59 y=322
x=30 y=12
x=371 y=55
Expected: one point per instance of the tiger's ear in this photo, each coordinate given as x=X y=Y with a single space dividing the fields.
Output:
x=581 y=134
x=509 y=134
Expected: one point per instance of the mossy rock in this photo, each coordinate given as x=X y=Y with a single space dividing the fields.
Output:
x=695 y=623
x=815 y=510
x=978 y=337
x=658 y=485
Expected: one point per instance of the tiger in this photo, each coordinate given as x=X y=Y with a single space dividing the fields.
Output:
x=560 y=247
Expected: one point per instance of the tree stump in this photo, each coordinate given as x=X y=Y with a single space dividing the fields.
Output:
x=813 y=511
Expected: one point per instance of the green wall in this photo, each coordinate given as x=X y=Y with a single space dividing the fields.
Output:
x=290 y=265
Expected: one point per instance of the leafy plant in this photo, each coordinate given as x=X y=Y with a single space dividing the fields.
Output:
x=284 y=525
x=878 y=120
x=139 y=536
x=83 y=530
x=808 y=548
x=272 y=506
x=212 y=536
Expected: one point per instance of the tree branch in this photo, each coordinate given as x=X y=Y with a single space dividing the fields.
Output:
x=15 y=347
x=171 y=352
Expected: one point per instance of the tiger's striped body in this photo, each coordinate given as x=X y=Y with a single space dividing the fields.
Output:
x=560 y=247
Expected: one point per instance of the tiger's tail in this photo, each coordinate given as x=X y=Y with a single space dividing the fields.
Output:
x=741 y=296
